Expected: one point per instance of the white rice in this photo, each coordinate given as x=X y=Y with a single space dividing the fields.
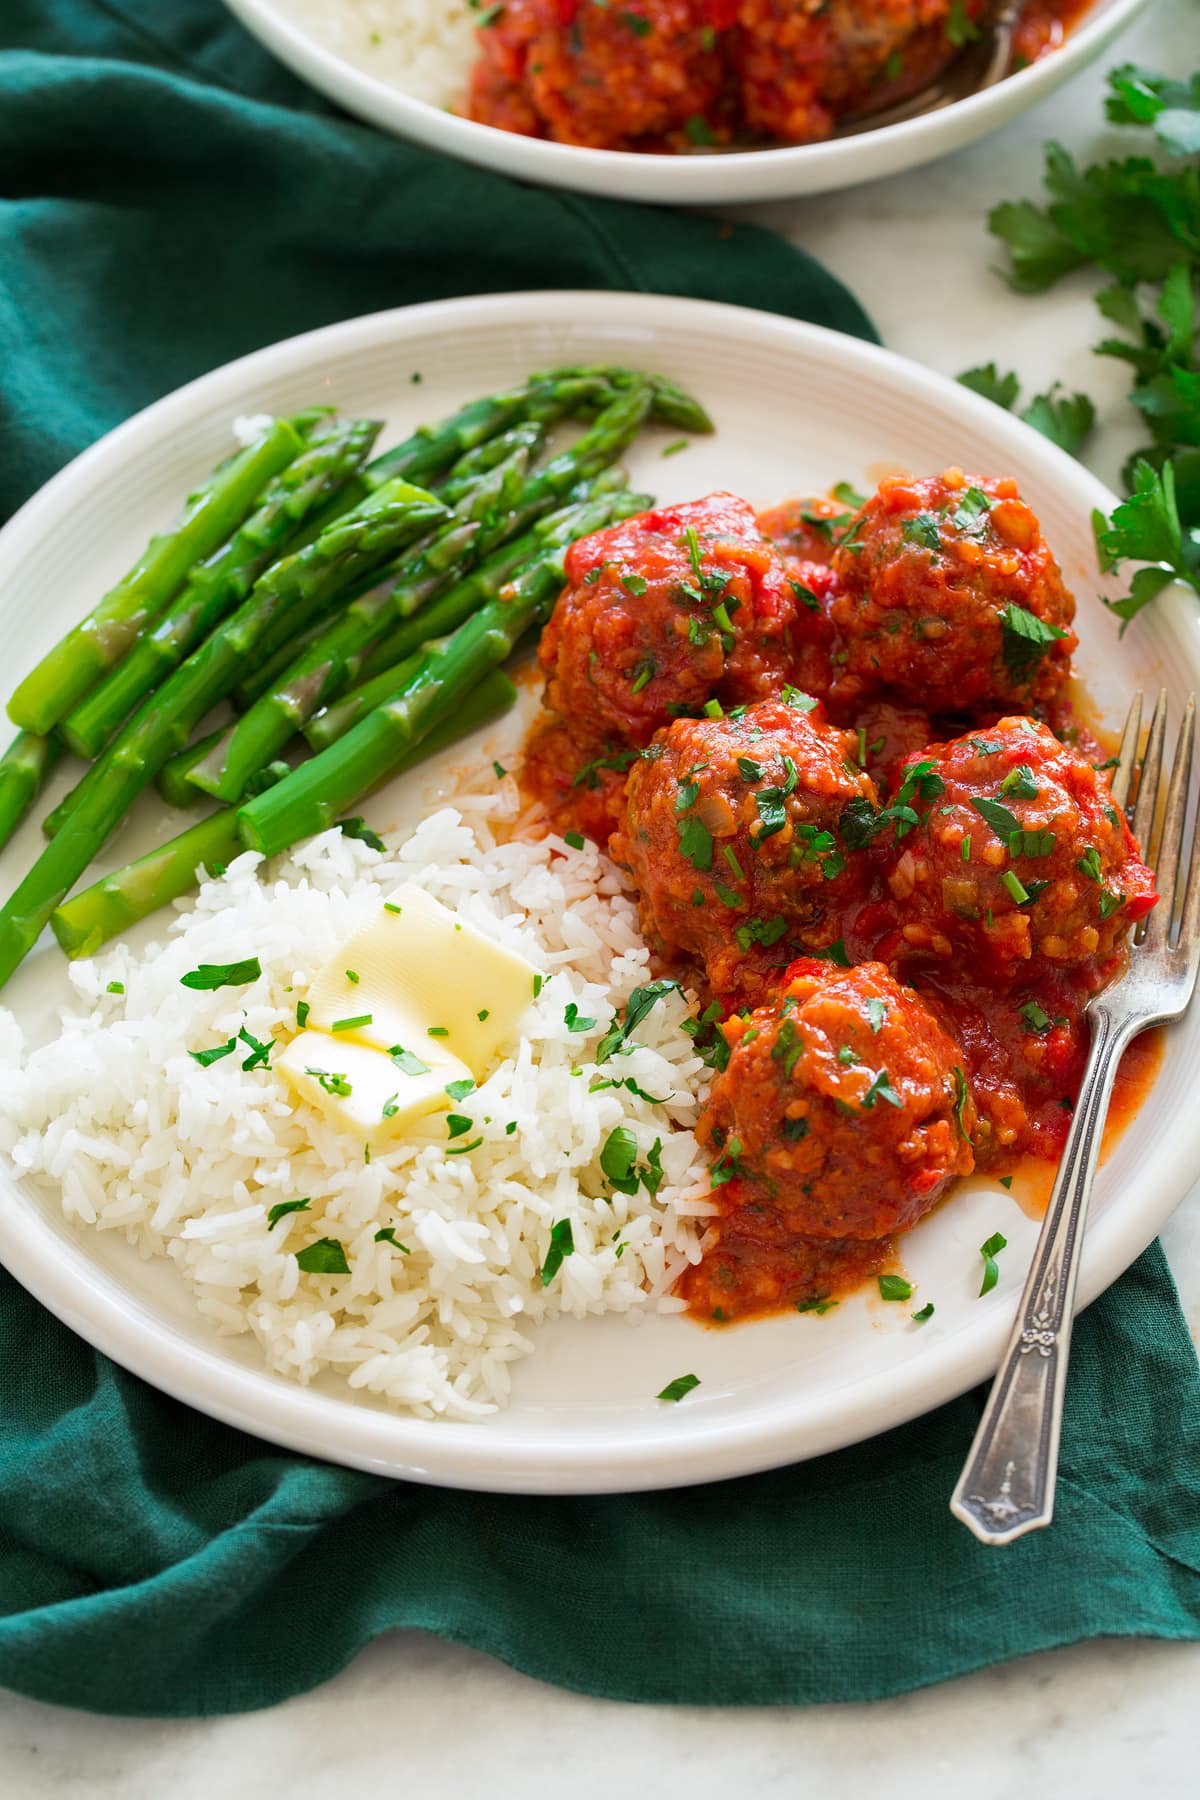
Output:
x=423 y=47
x=137 y=1137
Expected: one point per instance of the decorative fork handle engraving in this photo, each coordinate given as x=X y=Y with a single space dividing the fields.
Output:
x=1007 y=1484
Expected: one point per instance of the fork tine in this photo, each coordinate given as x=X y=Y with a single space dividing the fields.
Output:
x=1170 y=849
x=1189 y=924
x=1142 y=822
x=1127 y=754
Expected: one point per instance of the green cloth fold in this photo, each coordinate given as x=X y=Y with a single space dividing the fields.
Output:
x=170 y=198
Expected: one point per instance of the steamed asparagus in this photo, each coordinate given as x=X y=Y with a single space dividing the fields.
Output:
x=67 y=671
x=220 y=582
x=23 y=768
x=334 y=660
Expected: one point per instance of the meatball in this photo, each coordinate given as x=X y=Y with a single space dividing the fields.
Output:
x=609 y=77
x=664 y=611
x=803 y=63
x=1009 y=853
x=731 y=837
x=843 y=1110
x=948 y=597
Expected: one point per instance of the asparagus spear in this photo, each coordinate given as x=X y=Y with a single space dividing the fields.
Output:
x=222 y=581
x=328 y=666
x=671 y=404
x=23 y=768
x=66 y=673
x=319 y=792
x=98 y=913
x=490 y=483
x=432 y=448
x=172 y=779
x=164 y=723
x=380 y=670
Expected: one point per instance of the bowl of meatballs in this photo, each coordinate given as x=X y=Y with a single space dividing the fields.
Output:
x=687 y=102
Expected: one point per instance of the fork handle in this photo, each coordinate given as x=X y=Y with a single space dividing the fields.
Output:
x=1007 y=1484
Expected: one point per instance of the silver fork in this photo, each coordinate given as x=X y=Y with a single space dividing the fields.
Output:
x=1007 y=1484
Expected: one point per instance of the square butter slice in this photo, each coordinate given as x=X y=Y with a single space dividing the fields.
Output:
x=362 y=1090
x=422 y=971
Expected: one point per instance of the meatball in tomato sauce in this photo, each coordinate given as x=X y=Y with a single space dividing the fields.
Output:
x=843 y=1109
x=612 y=77
x=1011 y=858
x=665 y=611
x=731 y=836
x=948 y=597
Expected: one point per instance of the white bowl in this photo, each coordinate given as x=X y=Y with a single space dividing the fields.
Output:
x=796 y=408
x=691 y=180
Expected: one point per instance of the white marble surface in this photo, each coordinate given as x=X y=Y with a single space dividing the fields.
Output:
x=1098 y=1720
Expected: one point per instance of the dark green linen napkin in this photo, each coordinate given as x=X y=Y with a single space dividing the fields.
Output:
x=169 y=198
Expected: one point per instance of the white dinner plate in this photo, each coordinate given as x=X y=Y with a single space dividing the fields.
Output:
x=340 y=59
x=796 y=409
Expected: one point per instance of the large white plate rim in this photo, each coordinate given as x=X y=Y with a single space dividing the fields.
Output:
x=55 y=1269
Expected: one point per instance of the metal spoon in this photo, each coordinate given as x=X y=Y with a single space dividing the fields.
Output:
x=978 y=65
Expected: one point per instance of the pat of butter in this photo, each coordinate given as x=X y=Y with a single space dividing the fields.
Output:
x=362 y=1090
x=421 y=970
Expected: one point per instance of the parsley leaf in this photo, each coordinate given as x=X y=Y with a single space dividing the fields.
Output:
x=1025 y=639
x=210 y=976
x=282 y=1208
x=989 y=1253
x=562 y=1244
x=677 y=1389
x=894 y=1287
x=326 y=1257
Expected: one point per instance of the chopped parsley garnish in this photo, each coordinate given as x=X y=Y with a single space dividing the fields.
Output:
x=643 y=674
x=1109 y=902
x=483 y=1014
x=1005 y=1181
x=115 y=987
x=406 y=1062
x=331 y=1082
x=961 y=1093
x=353 y=977
x=926 y=1312
x=761 y=931
x=457 y=1090
x=989 y=1253
x=877 y=1012
x=894 y=1287
x=923 y=530
x=816 y=1303
x=387 y=1235
x=970 y=515
x=205 y=1057
x=634 y=584
x=618 y=1159
x=325 y=1257
x=1019 y=782
x=562 y=1245
x=1003 y=822
x=847 y=1056
x=730 y=855
x=352 y=1024
x=794 y=696
x=282 y=1208
x=1025 y=639
x=260 y=1051
x=804 y=595
x=1089 y=864
x=681 y=1386
x=638 y=1005
x=438 y=1031
x=210 y=976
x=834 y=953
x=748 y=769
x=726 y=1165
x=795 y=1130
x=637 y=23
x=1014 y=887
x=881 y=1089
x=1035 y=1019
x=788 y=1046
x=457 y=1124
x=302 y=1011
x=696 y=843
x=464 y=1149
x=357 y=828
x=574 y=1019
x=500 y=772
x=575 y=839
x=674 y=448
x=618 y=761
x=391 y=1107
x=849 y=496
